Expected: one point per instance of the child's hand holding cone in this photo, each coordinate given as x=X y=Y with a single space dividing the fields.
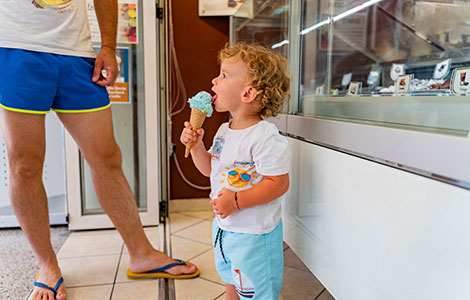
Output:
x=201 y=107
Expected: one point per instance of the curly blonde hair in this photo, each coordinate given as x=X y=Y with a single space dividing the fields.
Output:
x=267 y=71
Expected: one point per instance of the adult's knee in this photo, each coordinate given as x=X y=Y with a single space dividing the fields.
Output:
x=109 y=158
x=25 y=167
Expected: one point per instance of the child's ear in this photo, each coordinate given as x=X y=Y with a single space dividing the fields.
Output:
x=249 y=95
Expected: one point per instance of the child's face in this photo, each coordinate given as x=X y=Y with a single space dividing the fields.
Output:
x=230 y=85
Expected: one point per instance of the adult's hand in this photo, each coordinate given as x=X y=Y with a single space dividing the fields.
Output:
x=106 y=60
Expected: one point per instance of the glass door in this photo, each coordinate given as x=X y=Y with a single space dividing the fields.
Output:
x=134 y=105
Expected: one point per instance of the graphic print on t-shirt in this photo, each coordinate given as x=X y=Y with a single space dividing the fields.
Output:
x=217 y=148
x=59 y=5
x=240 y=174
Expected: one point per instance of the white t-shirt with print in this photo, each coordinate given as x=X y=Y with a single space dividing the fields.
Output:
x=239 y=160
x=54 y=26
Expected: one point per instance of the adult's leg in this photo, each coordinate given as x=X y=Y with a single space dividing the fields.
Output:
x=24 y=136
x=94 y=135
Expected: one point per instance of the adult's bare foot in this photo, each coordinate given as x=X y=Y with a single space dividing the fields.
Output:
x=49 y=276
x=157 y=259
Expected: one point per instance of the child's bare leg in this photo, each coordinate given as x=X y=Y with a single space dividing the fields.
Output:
x=231 y=292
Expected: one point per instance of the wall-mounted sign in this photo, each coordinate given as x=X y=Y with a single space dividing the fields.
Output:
x=127 y=22
x=119 y=92
x=219 y=7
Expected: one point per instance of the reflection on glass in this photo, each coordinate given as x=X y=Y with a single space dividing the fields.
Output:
x=129 y=129
x=264 y=22
x=373 y=43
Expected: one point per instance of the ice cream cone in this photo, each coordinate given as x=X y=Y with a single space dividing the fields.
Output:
x=196 y=120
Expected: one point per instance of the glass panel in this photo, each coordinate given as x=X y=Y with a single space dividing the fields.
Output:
x=128 y=118
x=314 y=39
x=264 y=22
x=398 y=59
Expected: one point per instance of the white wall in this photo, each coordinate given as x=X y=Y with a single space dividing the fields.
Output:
x=369 y=231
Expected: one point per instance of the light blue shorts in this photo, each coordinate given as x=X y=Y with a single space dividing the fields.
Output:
x=36 y=82
x=254 y=263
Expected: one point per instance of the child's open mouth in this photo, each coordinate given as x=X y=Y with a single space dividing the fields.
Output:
x=214 y=98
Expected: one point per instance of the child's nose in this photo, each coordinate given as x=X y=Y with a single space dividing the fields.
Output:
x=213 y=81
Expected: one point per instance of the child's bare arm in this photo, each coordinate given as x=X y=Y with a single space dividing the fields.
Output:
x=272 y=187
x=199 y=154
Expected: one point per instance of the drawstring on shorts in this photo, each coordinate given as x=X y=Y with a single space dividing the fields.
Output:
x=219 y=237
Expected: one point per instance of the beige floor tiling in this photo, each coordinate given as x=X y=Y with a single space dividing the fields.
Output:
x=325 y=296
x=89 y=243
x=91 y=270
x=205 y=263
x=99 y=292
x=152 y=235
x=201 y=232
x=293 y=261
x=123 y=266
x=141 y=290
x=186 y=249
x=180 y=221
x=197 y=289
x=300 y=284
x=222 y=297
x=200 y=214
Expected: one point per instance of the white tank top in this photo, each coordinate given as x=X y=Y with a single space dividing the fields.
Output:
x=55 y=26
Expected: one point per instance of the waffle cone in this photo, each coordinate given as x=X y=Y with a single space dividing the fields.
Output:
x=197 y=119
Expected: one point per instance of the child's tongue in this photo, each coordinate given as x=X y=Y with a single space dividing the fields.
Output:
x=214 y=98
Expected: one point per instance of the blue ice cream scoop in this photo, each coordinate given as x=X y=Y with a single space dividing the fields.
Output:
x=203 y=102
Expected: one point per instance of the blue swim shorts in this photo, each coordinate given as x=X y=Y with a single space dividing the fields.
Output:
x=36 y=82
x=254 y=263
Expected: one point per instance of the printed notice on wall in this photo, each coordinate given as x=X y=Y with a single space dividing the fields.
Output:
x=119 y=92
x=127 y=22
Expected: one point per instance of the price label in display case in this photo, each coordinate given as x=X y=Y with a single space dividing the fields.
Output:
x=442 y=69
x=397 y=70
x=460 y=84
x=354 y=88
x=403 y=84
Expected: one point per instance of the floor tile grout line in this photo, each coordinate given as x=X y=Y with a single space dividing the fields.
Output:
x=219 y=296
x=212 y=281
x=324 y=289
x=303 y=270
x=87 y=285
x=188 y=215
x=117 y=272
x=200 y=254
x=197 y=241
x=181 y=229
x=95 y=255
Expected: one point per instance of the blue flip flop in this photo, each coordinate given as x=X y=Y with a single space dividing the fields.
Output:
x=160 y=272
x=45 y=286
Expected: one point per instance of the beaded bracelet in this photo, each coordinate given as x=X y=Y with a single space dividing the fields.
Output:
x=236 y=201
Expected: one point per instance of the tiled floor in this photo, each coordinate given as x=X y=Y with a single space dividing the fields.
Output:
x=94 y=265
x=191 y=240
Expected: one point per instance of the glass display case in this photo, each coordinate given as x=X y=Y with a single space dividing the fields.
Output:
x=394 y=63
x=388 y=80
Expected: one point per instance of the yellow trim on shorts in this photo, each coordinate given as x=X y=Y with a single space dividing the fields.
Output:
x=25 y=110
x=81 y=111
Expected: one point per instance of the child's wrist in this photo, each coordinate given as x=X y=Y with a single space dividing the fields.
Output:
x=235 y=196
